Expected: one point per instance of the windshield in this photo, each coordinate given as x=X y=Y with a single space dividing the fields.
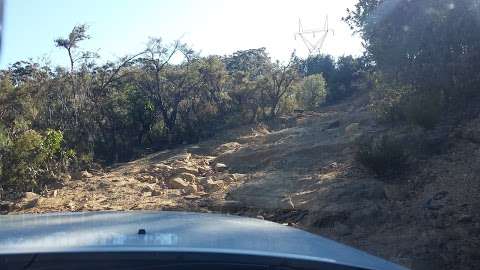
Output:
x=357 y=120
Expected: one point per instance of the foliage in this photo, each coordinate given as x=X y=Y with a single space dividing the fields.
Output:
x=384 y=155
x=312 y=93
x=436 y=47
x=342 y=75
x=30 y=159
x=55 y=118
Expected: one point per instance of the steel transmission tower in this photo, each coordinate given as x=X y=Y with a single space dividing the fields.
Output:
x=317 y=36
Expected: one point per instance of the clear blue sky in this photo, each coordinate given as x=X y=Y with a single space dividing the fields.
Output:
x=120 y=27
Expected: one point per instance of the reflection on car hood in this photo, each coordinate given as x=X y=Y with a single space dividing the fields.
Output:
x=171 y=231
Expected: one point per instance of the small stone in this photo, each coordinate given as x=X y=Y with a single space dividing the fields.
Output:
x=162 y=168
x=148 y=188
x=72 y=206
x=66 y=177
x=177 y=183
x=147 y=194
x=185 y=157
x=86 y=174
x=147 y=179
x=352 y=129
x=185 y=169
x=6 y=206
x=238 y=176
x=334 y=124
x=214 y=185
x=192 y=197
x=465 y=219
x=220 y=167
x=187 y=177
x=342 y=229
x=204 y=169
x=191 y=188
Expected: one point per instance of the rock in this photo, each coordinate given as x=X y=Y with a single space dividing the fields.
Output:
x=191 y=188
x=238 y=176
x=148 y=188
x=82 y=174
x=147 y=194
x=214 y=185
x=186 y=169
x=204 y=169
x=352 y=129
x=29 y=200
x=334 y=124
x=202 y=180
x=162 y=168
x=192 y=197
x=86 y=174
x=227 y=147
x=65 y=177
x=187 y=177
x=202 y=194
x=6 y=206
x=220 y=167
x=341 y=229
x=465 y=219
x=147 y=179
x=185 y=157
x=177 y=183
x=72 y=206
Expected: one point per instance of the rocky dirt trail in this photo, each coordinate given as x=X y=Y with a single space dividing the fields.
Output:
x=300 y=171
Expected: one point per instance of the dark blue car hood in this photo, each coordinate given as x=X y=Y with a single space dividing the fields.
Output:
x=172 y=231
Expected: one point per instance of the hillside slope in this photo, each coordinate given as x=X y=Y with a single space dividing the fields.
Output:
x=300 y=170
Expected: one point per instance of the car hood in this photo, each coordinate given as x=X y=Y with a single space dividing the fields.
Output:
x=172 y=231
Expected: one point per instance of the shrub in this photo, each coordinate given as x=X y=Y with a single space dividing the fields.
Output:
x=394 y=104
x=385 y=155
x=30 y=159
x=312 y=92
x=423 y=108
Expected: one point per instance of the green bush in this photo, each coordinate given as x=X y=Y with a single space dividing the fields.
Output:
x=385 y=155
x=423 y=108
x=395 y=104
x=30 y=159
x=312 y=92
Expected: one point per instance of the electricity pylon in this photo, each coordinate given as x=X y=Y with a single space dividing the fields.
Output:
x=314 y=45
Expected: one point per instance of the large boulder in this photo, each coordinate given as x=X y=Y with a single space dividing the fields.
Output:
x=29 y=200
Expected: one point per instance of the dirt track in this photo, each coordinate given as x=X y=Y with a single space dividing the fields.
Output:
x=300 y=171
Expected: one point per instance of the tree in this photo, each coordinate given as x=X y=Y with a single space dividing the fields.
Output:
x=313 y=92
x=343 y=83
x=167 y=85
x=435 y=48
x=281 y=78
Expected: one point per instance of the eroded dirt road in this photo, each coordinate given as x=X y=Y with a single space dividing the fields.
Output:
x=301 y=171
